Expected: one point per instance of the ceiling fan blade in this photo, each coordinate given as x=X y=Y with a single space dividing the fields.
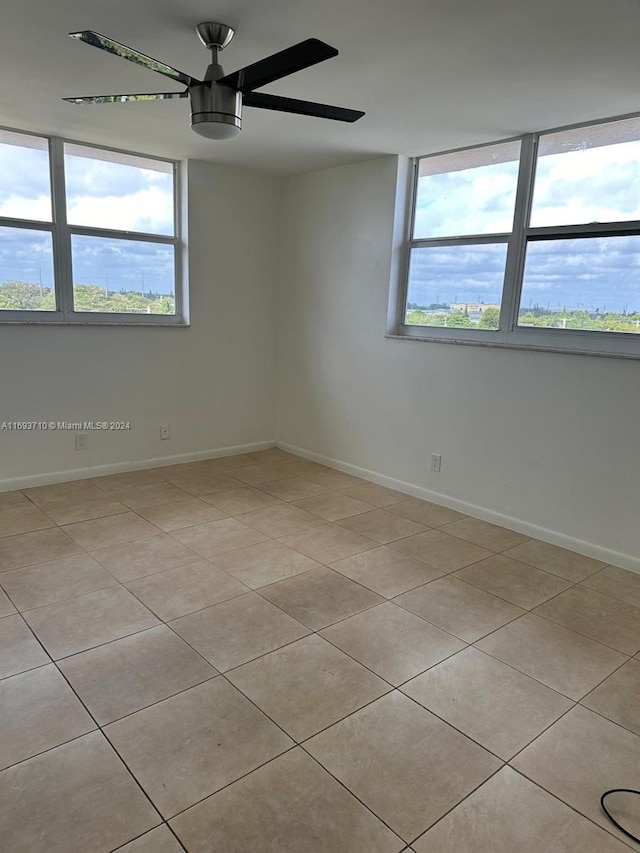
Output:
x=303 y=108
x=121 y=99
x=301 y=55
x=124 y=52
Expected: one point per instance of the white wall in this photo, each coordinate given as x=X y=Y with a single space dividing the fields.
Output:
x=212 y=382
x=552 y=440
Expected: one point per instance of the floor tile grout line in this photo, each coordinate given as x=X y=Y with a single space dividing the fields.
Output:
x=42 y=752
x=406 y=681
x=97 y=645
x=286 y=751
x=331 y=624
x=583 y=585
x=191 y=612
x=544 y=731
x=29 y=669
x=63 y=600
x=288 y=734
x=449 y=571
x=455 y=575
x=539 y=568
x=448 y=723
x=466 y=797
x=572 y=585
x=537 y=679
x=155 y=702
x=93 y=518
x=349 y=791
x=532 y=781
x=525 y=538
x=157 y=808
x=148 y=832
x=387 y=598
x=251 y=660
x=40 y=529
x=462 y=639
x=80 y=547
x=599 y=684
x=532 y=610
x=581 y=634
x=40 y=643
x=185 y=526
x=472 y=646
x=605 y=828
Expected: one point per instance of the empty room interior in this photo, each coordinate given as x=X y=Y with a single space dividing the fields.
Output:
x=320 y=427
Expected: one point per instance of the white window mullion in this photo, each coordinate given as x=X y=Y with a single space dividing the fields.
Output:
x=61 y=234
x=517 y=244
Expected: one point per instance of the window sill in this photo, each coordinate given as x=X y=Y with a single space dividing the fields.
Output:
x=173 y=324
x=626 y=352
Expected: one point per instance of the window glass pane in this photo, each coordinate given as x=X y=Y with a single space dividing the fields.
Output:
x=25 y=184
x=122 y=276
x=467 y=192
x=456 y=286
x=590 y=174
x=106 y=189
x=592 y=283
x=26 y=270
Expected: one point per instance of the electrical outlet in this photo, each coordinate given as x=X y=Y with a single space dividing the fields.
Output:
x=436 y=462
x=82 y=441
x=165 y=432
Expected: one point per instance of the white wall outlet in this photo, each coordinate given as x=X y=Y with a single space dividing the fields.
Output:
x=165 y=432
x=82 y=441
x=436 y=462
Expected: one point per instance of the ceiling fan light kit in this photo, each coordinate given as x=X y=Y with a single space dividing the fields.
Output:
x=217 y=100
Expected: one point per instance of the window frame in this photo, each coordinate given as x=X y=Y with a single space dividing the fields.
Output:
x=61 y=236
x=509 y=334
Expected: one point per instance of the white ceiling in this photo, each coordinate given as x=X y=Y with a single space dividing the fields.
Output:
x=431 y=74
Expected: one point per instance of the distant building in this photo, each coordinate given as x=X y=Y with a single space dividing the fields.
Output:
x=473 y=307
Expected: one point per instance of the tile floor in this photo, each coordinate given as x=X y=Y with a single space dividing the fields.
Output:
x=258 y=653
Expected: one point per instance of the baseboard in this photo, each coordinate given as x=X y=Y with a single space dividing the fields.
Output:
x=554 y=537
x=134 y=465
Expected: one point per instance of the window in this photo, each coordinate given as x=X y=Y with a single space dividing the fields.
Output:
x=87 y=234
x=533 y=242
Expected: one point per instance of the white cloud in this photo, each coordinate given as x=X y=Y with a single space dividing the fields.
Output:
x=149 y=210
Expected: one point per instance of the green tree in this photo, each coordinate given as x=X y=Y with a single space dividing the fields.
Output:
x=22 y=295
x=490 y=318
x=459 y=320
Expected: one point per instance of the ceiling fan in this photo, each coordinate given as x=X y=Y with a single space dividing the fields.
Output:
x=217 y=100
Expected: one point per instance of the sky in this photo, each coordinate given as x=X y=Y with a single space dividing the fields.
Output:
x=571 y=187
x=101 y=194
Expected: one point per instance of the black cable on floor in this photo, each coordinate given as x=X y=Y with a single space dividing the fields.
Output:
x=612 y=819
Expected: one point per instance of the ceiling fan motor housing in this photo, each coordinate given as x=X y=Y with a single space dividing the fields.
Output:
x=216 y=111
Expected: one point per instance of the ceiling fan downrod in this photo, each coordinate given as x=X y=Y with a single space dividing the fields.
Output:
x=216 y=111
